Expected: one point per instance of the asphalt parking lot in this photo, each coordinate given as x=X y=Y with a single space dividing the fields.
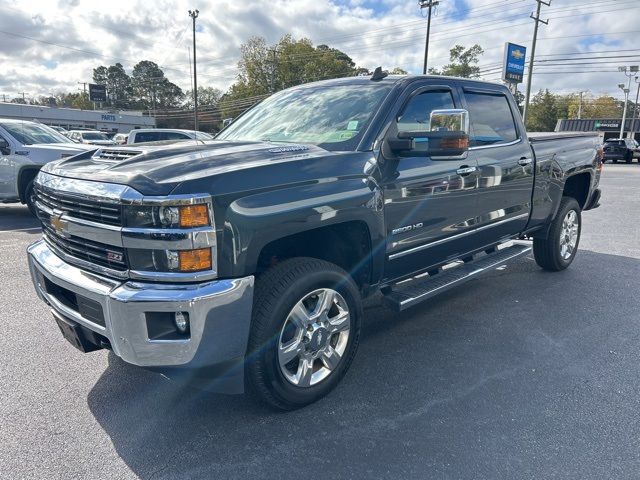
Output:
x=520 y=374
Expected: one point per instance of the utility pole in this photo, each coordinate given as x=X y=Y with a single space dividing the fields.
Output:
x=635 y=105
x=632 y=70
x=580 y=106
x=84 y=86
x=274 y=65
x=537 y=20
x=194 y=14
x=427 y=4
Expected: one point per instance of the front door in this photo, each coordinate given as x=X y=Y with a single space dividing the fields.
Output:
x=505 y=161
x=429 y=205
x=7 y=171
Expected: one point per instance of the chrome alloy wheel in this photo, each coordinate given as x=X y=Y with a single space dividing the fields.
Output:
x=569 y=235
x=314 y=337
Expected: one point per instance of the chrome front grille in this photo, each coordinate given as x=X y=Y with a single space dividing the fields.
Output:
x=96 y=253
x=80 y=207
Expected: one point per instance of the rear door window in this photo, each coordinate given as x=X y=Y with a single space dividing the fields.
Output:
x=175 y=136
x=147 y=137
x=491 y=119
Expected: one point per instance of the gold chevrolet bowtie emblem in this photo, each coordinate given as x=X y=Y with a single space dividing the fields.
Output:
x=58 y=224
x=517 y=54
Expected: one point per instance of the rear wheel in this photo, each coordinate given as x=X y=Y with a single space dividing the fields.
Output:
x=304 y=334
x=557 y=251
x=629 y=157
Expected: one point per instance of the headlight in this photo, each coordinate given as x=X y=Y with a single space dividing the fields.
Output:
x=167 y=216
x=185 y=261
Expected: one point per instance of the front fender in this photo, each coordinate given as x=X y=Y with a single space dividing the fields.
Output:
x=254 y=221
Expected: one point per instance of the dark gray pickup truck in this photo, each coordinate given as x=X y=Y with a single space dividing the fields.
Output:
x=242 y=262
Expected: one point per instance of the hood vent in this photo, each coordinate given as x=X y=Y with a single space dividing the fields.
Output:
x=115 y=155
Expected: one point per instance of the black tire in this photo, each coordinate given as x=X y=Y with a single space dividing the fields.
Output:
x=629 y=157
x=615 y=160
x=277 y=291
x=29 y=198
x=547 y=251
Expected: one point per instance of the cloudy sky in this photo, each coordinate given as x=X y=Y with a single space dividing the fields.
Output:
x=48 y=46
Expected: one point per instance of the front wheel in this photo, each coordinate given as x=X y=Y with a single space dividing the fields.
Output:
x=30 y=198
x=304 y=332
x=557 y=251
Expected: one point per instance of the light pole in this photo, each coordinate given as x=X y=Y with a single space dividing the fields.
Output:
x=635 y=105
x=580 y=105
x=631 y=71
x=194 y=14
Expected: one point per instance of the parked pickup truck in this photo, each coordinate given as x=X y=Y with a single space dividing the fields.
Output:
x=243 y=262
x=24 y=148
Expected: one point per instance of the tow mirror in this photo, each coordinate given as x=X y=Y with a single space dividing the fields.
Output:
x=447 y=135
x=5 y=149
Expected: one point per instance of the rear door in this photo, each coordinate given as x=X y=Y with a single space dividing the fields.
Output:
x=429 y=204
x=505 y=161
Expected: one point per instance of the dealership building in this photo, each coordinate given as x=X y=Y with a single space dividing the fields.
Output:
x=608 y=127
x=71 y=118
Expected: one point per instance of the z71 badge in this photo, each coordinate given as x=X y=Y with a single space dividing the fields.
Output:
x=408 y=228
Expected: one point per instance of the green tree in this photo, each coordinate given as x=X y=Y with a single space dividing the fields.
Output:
x=81 y=100
x=463 y=62
x=544 y=111
x=207 y=96
x=264 y=69
x=151 y=89
x=398 y=71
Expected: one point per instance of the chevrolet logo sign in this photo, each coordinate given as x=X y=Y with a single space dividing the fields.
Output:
x=517 y=54
x=59 y=225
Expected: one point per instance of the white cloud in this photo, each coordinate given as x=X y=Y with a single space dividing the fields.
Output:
x=388 y=33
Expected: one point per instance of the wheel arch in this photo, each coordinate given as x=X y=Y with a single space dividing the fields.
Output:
x=578 y=186
x=346 y=244
x=25 y=175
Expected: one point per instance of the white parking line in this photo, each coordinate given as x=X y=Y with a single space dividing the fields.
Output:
x=20 y=230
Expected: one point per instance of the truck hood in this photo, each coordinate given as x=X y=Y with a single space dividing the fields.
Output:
x=156 y=170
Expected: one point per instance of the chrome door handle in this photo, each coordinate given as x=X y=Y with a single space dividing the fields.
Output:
x=524 y=161
x=466 y=170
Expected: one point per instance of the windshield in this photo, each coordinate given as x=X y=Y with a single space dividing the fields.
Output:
x=94 y=136
x=203 y=136
x=28 y=133
x=329 y=116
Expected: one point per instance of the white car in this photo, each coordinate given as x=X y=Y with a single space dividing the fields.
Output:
x=24 y=148
x=161 y=134
x=93 y=137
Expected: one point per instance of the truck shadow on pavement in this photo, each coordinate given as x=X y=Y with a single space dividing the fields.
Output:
x=519 y=371
x=17 y=217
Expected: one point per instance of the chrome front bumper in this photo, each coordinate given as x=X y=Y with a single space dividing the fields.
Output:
x=219 y=312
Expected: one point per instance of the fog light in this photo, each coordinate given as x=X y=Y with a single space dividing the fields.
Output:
x=182 y=321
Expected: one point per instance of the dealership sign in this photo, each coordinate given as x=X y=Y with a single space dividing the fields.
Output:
x=97 y=93
x=514 y=58
x=105 y=117
x=607 y=124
